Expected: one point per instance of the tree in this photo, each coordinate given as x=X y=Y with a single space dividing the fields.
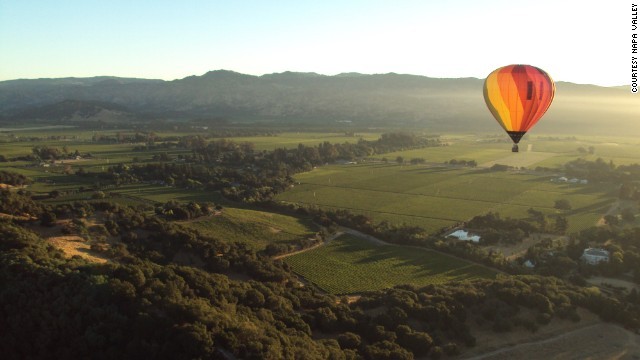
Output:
x=561 y=225
x=386 y=350
x=611 y=220
x=98 y=195
x=628 y=215
x=538 y=217
x=349 y=340
x=626 y=191
x=562 y=204
x=400 y=160
x=48 y=218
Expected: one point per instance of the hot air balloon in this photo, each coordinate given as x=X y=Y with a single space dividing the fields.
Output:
x=518 y=96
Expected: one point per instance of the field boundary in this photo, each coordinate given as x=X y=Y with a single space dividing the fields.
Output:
x=322 y=243
x=367 y=211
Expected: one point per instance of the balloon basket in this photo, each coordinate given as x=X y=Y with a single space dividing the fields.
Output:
x=515 y=148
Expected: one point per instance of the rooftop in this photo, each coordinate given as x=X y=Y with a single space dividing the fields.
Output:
x=596 y=252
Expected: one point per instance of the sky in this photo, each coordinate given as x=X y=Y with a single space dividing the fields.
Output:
x=585 y=42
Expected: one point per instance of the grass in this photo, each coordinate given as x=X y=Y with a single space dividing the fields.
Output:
x=435 y=197
x=162 y=194
x=351 y=265
x=254 y=228
x=292 y=139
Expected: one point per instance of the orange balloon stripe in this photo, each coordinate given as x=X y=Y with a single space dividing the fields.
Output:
x=520 y=81
x=518 y=96
x=545 y=97
x=541 y=96
x=531 y=99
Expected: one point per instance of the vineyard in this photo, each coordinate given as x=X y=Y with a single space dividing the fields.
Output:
x=255 y=228
x=434 y=197
x=350 y=265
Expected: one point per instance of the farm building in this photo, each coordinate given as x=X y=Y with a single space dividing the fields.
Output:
x=594 y=256
x=464 y=235
x=571 y=181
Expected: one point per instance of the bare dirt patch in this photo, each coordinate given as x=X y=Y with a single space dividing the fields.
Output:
x=69 y=161
x=24 y=217
x=274 y=230
x=73 y=245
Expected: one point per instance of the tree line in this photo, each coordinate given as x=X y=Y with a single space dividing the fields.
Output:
x=241 y=173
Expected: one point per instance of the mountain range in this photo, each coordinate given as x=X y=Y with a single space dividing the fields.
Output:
x=390 y=100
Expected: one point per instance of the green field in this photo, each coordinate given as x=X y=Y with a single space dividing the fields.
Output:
x=620 y=150
x=434 y=197
x=254 y=228
x=429 y=196
x=350 y=265
x=292 y=139
x=437 y=196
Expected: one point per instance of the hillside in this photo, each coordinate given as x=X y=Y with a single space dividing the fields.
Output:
x=75 y=110
x=390 y=100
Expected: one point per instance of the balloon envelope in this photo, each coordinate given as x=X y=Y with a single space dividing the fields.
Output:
x=518 y=96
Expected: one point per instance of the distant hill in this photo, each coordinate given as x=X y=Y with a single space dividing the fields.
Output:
x=75 y=110
x=392 y=100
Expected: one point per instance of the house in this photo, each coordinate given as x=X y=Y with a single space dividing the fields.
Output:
x=464 y=236
x=594 y=256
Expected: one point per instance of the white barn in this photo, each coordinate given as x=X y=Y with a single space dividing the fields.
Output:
x=464 y=236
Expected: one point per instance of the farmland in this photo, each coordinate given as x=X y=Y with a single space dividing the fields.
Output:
x=350 y=265
x=432 y=196
x=293 y=139
x=255 y=228
x=437 y=196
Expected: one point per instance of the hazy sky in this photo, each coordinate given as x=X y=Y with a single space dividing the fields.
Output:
x=585 y=42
